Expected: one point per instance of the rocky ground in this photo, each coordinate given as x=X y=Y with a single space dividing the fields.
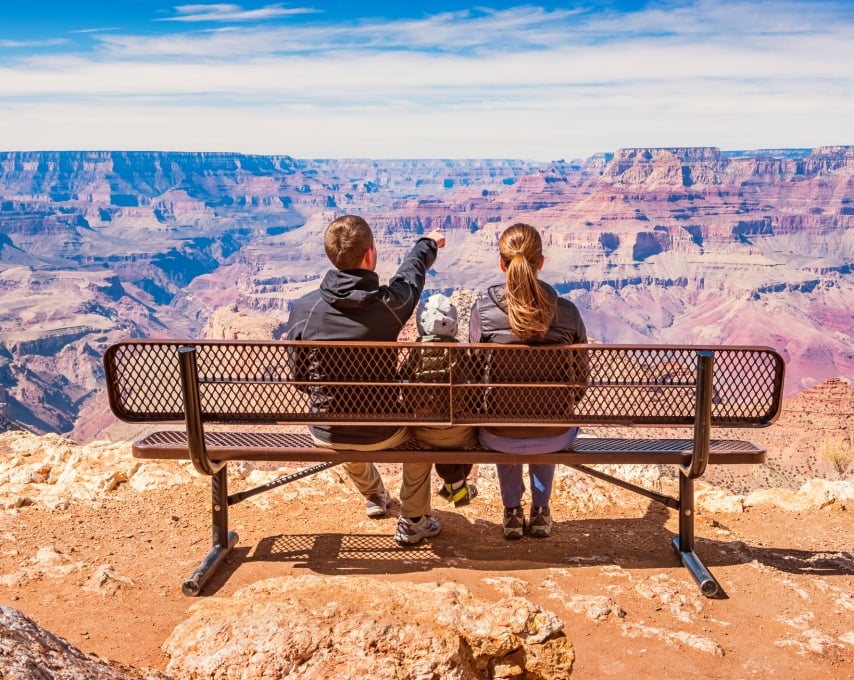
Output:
x=95 y=546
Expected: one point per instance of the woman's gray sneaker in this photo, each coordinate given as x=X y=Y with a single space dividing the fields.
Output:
x=541 y=522
x=514 y=523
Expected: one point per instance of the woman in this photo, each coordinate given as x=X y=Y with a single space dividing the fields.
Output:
x=525 y=310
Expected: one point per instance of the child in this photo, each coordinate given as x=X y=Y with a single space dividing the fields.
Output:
x=437 y=322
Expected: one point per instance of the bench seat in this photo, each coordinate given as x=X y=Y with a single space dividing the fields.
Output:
x=293 y=447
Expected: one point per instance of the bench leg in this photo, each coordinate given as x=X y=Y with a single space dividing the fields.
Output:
x=223 y=540
x=684 y=542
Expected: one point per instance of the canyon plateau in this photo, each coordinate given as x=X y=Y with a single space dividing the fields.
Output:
x=676 y=245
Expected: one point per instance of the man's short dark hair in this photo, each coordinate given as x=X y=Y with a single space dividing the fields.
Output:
x=346 y=240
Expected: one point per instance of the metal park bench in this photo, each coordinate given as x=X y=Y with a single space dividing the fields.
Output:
x=248 y=384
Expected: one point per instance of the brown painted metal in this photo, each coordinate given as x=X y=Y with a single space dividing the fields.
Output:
x=359 y=383
x=248 y=445
x=255 y=383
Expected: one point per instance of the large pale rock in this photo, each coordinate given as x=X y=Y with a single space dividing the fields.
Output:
x=815 y=494
x=29 y=651
x=337 y=627
x=713 y=499
x=825 y=492
x=50 y=471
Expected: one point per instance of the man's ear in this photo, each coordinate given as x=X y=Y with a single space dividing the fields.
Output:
x=369 y=260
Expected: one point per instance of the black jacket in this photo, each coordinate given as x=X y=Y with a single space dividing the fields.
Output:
x=352 y=305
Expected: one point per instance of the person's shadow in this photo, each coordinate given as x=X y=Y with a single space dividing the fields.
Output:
x=631 y=543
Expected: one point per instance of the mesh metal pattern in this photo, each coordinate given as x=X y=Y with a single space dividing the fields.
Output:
x=246 y=445
x=397 y=383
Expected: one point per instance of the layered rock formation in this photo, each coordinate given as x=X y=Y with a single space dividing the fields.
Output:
x=368 y=630
x=687 y=245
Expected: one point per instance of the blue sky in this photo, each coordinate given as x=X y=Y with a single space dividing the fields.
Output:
x=538 y=80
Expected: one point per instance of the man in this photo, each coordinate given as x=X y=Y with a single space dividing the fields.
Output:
x=350 y=304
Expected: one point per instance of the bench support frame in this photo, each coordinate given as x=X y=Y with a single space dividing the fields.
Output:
x=133 y=399
x=224 y=540
x=683 y=543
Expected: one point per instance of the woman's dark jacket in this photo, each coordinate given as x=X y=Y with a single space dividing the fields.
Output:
x=490 y=323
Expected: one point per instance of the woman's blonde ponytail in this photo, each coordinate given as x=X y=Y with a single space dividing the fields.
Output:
x=530 y=309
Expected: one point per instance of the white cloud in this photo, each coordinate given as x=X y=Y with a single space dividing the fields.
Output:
x=17 y=44
x=230 y=12
x=521 y=83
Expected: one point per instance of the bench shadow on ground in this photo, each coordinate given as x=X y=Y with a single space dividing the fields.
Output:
x=630 y=543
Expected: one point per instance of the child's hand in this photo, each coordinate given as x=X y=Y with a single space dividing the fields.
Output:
x=438 y=237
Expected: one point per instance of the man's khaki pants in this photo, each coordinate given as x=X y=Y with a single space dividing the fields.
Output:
x=414 y=487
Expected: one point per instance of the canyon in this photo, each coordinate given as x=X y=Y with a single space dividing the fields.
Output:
x=678 y=245
x=693 y=245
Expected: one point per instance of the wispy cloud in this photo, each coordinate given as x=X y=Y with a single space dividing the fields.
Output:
x=97 y=30
x=231 y=13
x=17 y=44
x=449 y=33
x=522 y=82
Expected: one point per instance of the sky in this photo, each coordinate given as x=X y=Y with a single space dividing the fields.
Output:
x=535 y=81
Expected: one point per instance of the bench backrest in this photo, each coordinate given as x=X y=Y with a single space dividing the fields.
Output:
x=358 y=383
